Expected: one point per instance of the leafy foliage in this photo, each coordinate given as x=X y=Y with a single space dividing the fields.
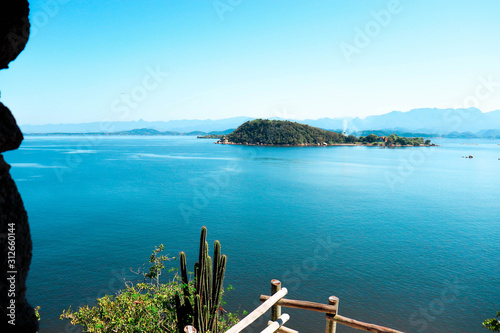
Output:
x=141 y=308
x=276 y=132
x=37 y=312
x=493 y=324
x=371 y=138
x=283 y=132
x=146 y=307
x=351 y=138
x=157 y=260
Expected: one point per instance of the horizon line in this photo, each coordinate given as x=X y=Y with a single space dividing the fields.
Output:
x=219 y=119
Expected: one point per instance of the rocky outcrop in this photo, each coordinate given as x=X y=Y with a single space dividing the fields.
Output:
x=15 y=239
x=14 y=226
x=14 y=29
x=10 y=134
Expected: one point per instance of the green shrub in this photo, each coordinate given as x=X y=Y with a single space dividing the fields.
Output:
x=144 y=307
x=141 y=308
x=493 y=324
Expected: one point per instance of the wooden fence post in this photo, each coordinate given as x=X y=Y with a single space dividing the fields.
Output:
x=276 y=309
x=331 y=326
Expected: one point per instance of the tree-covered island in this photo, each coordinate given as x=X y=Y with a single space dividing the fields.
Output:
x=287 y=133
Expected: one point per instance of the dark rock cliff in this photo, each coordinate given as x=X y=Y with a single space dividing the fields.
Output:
x=15 y=238
x=14 y=29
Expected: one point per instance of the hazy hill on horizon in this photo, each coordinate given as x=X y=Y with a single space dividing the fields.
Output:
x=424 y=120
x=180 y=126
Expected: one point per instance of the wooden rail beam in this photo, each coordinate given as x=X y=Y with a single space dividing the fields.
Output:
x=305 y=305
x=259 y=311
x=283 y=329
x=331 y=314
x=361 y=325
x=275 y=325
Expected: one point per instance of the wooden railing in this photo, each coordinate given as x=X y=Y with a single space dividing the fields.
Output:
x=276 y=301
x=255 y=314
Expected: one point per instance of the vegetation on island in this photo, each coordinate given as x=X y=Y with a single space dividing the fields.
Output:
x=153 y=306
x=393 y=140
x=283 y=132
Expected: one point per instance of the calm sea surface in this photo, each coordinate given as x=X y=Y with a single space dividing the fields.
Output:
x=408 y=238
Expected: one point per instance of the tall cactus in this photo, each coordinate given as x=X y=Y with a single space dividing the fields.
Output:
x=209 y=276
x=185 y=309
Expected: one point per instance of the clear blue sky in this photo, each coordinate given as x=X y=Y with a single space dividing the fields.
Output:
x=91 y=60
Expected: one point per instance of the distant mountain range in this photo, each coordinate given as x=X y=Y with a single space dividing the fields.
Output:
x=139 y=131
x=469 y=122
x=180 y=126
x=431 y=121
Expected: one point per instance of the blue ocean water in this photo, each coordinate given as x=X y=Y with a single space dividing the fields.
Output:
x=407 y=238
